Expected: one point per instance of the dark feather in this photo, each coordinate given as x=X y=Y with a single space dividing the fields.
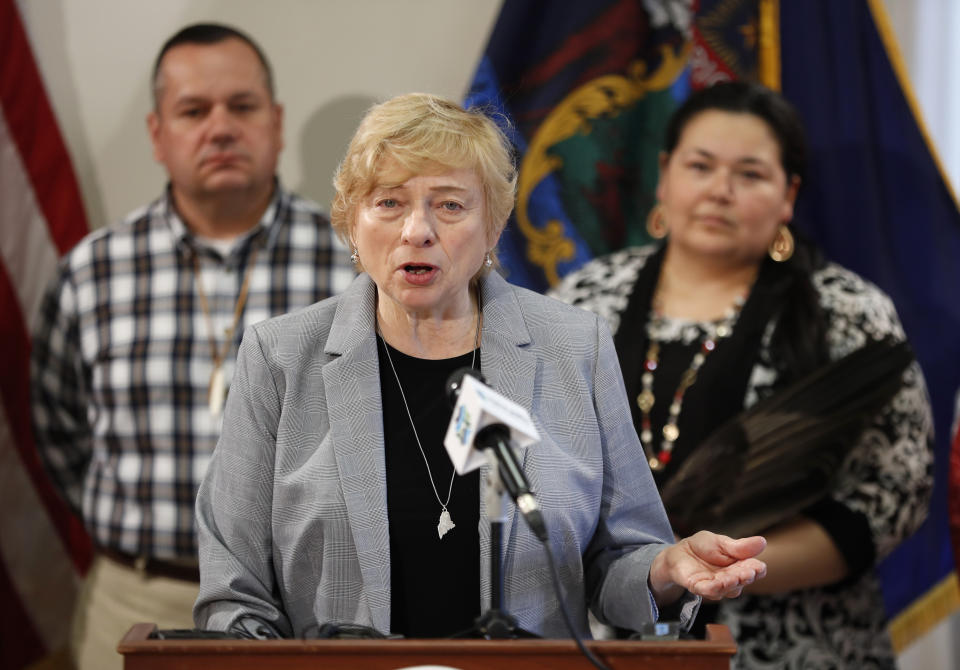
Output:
x=782 y=454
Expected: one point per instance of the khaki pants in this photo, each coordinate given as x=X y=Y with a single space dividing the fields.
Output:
x=113 y=598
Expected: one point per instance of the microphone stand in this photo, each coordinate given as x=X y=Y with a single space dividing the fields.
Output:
x=495 y=623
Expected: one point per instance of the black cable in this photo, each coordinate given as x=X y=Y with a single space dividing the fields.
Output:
x=191 y=634
x=555 y=576
x=343 y=631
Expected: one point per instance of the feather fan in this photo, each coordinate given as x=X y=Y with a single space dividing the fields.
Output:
x=782 y=454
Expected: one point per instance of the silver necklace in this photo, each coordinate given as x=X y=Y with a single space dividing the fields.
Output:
x=446 y=523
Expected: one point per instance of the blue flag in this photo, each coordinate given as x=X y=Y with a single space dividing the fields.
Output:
x=585 y=90
x=877 y=202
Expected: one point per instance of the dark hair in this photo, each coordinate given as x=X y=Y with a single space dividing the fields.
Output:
x=799 y=342
x=743 y=97
x=208 y=33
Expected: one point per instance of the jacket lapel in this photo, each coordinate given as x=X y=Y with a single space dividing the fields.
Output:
x=356 y=424
x=509 y=368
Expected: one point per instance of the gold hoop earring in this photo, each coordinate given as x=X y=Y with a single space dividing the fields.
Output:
x=656 y=226
x=781 y=249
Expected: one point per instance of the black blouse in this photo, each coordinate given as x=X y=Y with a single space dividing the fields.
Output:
x=434 y=582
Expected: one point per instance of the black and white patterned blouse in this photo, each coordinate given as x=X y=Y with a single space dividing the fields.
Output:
x=885 y=482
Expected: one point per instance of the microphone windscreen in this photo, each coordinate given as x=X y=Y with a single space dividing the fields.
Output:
x=455 y=381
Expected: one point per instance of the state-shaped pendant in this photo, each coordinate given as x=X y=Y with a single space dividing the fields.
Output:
x=446 y=524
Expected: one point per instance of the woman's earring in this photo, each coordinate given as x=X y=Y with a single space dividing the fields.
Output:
x=355 y=256
x=656 y=226
x=781 y=249
x=488 y=261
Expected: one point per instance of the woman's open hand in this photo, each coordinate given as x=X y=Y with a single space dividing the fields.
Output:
x=708 y=565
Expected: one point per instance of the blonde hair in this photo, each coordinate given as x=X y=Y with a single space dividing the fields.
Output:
x=418 y=133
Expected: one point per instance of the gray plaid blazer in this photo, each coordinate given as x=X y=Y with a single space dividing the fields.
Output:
x=292 y=513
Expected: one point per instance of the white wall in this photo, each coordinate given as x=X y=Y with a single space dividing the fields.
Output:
x=332 y=60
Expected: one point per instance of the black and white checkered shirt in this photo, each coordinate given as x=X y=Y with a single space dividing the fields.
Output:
x=121 y=359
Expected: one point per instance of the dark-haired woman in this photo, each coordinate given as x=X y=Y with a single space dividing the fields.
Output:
x=732 y=308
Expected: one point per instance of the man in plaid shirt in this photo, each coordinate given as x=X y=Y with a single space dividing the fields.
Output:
x=139 y=329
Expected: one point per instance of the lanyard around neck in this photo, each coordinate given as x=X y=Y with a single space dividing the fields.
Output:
x=216 y=389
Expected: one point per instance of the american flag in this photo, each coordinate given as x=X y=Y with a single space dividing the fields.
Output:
x=44 y=550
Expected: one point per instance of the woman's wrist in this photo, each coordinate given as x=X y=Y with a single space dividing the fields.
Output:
x=665 y=591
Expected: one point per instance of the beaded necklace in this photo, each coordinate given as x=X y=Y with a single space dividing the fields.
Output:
x=714 y=333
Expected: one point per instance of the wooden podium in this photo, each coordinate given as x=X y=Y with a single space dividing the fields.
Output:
x=141 y=653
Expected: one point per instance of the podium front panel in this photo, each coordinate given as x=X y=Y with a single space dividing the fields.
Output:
x=142 y=653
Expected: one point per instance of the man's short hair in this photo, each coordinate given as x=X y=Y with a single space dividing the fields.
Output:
x=207 y=33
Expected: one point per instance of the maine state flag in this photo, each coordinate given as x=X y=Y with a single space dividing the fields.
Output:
x=587 y=87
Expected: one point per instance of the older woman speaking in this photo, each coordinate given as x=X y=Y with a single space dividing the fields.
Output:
x=330 y=497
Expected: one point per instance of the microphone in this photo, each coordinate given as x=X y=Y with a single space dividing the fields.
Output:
x=486 y=420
